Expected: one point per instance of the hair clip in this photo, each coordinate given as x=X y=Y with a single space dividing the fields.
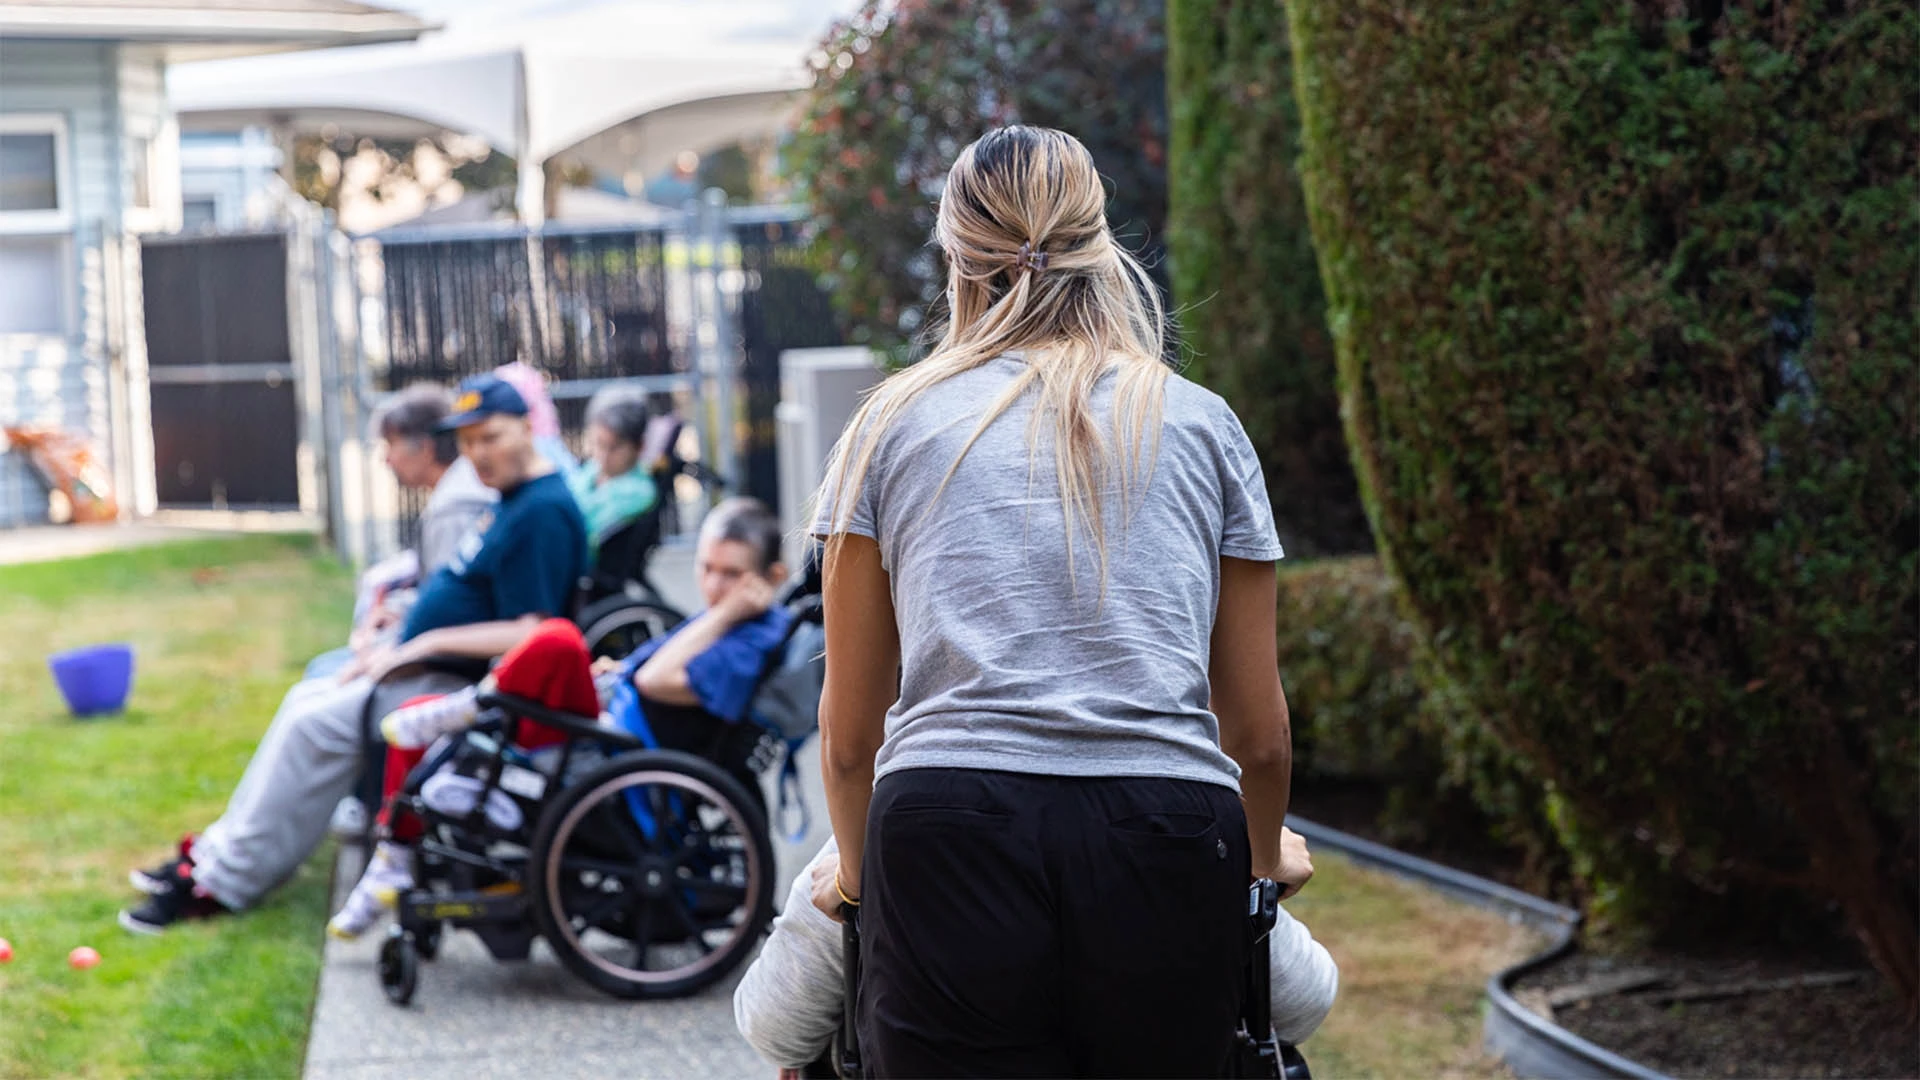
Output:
x=1029 y=259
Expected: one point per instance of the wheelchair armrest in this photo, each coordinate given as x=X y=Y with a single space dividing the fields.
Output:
x=582 y=726
x=471 y=668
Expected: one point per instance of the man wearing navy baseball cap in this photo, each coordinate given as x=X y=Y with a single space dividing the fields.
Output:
x=519 y=565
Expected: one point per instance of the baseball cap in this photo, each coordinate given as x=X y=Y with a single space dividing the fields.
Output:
x=479 y=397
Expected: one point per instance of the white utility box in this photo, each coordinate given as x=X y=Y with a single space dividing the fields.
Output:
x=819 y=391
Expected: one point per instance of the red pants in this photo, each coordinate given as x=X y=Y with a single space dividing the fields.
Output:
x=551 y=667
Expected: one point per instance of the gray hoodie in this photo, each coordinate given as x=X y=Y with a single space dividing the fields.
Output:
x=788 y=1003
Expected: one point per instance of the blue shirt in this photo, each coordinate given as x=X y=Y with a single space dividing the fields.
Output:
x=723 y=677
x=526 y=558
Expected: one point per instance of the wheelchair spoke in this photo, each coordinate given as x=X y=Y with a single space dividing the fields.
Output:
x=612 y=814
x=704 y=844
x=721 y=889
x=606 y=905
x=694 y=931
x=626 y=872
x=642 y=933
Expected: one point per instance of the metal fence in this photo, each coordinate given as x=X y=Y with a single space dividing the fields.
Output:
x=698 y=309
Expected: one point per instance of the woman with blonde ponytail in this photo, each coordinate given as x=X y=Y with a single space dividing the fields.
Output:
x=1054 y=741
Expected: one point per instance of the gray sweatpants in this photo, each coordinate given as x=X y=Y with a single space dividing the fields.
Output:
x=305 y=764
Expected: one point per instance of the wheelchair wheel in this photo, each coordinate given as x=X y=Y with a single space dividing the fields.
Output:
x=652 y=875
x=617 y=625
x=399 y=967
x=427 y=942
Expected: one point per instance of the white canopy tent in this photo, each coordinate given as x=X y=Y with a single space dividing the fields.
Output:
x=623 y=87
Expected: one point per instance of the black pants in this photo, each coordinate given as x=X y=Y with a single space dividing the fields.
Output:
x=1017 y=925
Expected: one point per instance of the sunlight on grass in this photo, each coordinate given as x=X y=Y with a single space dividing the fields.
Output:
x=220 y=629
x=1412 y=966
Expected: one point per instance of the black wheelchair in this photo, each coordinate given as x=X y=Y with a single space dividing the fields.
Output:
x=616 y=606
x=1257 y=1055
x=649 y=872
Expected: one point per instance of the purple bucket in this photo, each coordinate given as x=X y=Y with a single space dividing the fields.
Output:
x=94 y=679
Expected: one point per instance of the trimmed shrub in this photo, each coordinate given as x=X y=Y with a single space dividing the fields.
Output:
x=1350 y=659
x=900 y=89
x=1243 y=267
x=1624 y=302
x=1346 y=659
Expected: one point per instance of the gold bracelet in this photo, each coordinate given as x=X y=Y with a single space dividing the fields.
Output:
x=842 y=890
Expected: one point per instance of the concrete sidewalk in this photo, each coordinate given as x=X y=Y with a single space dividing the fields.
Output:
x=473 y=1017
x=46 y=543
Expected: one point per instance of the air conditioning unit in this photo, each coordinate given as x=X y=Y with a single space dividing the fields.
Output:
x=819 y=391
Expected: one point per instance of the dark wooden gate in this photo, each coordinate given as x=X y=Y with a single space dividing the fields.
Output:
x=226 y=423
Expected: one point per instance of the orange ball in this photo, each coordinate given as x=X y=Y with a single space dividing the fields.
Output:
x=82 y=958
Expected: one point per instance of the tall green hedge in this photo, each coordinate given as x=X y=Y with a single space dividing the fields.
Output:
x=1349 y=657
x=1242 y=262
x=1625 y=296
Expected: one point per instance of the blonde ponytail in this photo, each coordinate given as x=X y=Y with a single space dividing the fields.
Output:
x=1034 y=268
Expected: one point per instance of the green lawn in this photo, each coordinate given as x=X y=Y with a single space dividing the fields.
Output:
x=220 y=629
x=1412 y=969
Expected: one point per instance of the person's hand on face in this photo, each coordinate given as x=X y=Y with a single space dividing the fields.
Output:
x=749 y=598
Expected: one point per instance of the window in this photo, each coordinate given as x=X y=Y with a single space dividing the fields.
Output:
x=29 y=173
x=36 y=226
x=33 y=284
x=199 y=213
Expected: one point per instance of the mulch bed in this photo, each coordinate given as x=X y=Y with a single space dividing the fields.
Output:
x=1679 y=1016
x=1854 y=1029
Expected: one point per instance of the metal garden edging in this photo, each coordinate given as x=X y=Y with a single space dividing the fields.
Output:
x=1533 y=1047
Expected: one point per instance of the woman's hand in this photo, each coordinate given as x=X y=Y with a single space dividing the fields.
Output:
x=1296 y=863
x=827 y=886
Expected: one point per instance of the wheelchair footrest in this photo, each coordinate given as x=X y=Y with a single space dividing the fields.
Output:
x=496 y=903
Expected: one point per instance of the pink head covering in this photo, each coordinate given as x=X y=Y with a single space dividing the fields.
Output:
x=541 y=414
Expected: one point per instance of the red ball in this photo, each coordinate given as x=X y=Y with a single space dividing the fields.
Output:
x=82 y=958
x=6 y=950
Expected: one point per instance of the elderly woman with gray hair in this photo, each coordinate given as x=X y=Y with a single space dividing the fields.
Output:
x=610 y=485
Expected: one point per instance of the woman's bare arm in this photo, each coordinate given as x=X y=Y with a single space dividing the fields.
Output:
x=863 y=662
x=1244 y=671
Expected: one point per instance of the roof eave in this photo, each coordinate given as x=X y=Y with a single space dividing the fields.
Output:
x=163 y=25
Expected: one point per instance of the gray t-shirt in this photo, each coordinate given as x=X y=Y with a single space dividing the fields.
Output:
x=1010 y=661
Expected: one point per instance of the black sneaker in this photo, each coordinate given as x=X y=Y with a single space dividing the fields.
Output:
x=181 y=900
x=158 y=879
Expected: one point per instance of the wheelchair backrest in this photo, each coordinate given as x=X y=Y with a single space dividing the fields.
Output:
x=787 y=697
x=623 y=553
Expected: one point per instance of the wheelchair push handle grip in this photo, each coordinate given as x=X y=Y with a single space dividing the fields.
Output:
x=1263 y=907
x=848 y=1065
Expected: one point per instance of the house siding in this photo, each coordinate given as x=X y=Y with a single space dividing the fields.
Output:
x=59 y=379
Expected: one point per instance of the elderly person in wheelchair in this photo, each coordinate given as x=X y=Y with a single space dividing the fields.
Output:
x=687 y=691
x=524 y=564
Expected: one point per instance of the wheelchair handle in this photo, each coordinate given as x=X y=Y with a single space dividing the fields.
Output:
x=847 y=1063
